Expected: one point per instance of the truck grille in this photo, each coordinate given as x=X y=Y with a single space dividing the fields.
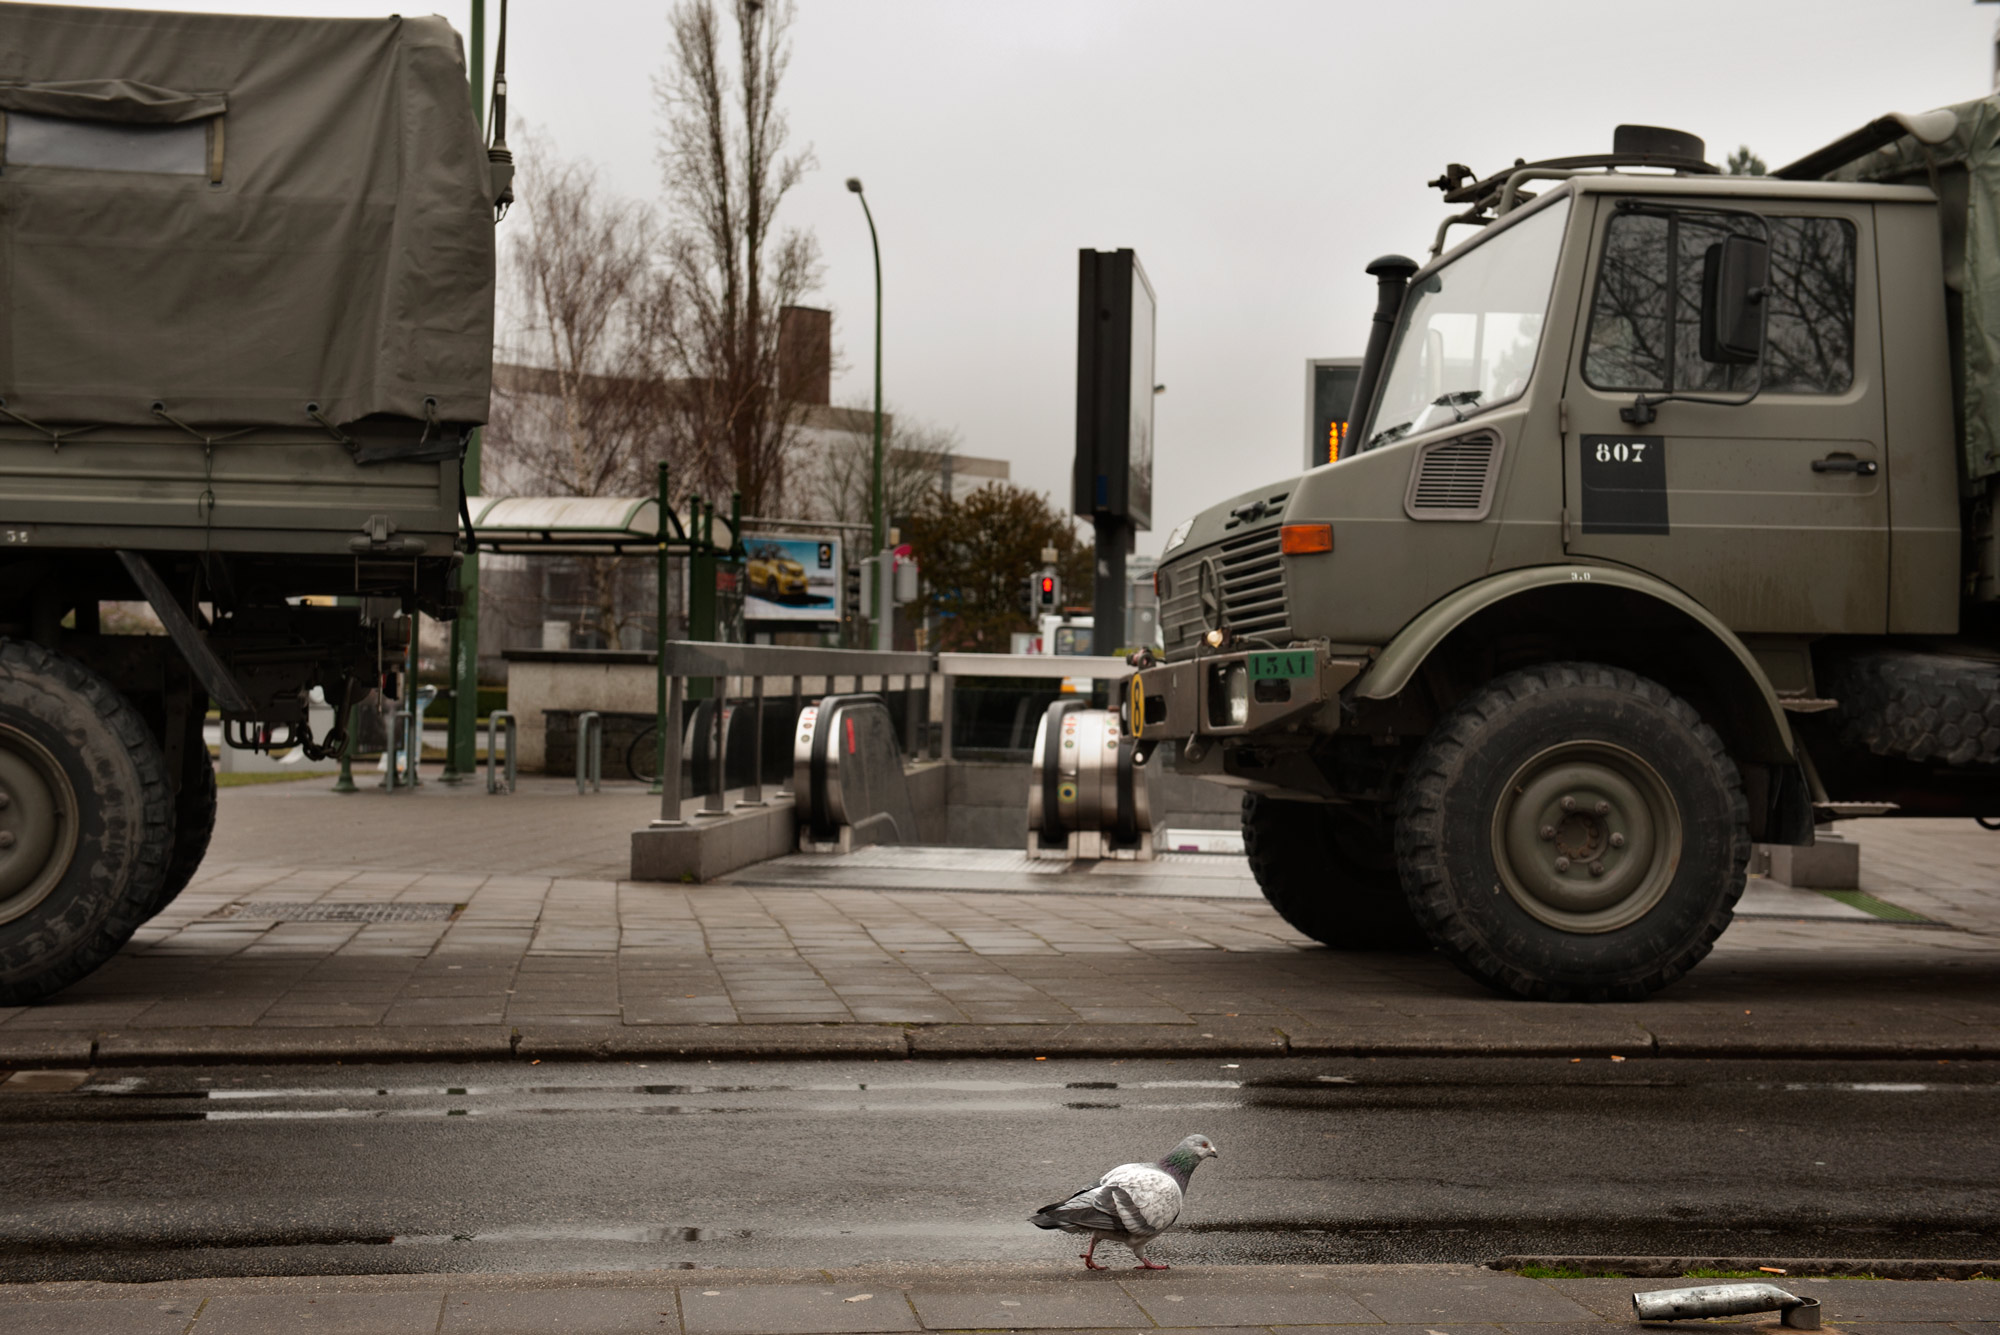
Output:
x=1253 y=592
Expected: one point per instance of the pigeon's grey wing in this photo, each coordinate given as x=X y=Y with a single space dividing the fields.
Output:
x=1092 y=1208
x=1149 y=1199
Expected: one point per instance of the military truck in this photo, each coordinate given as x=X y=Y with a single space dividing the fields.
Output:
x=1667 y=527
x=246 y=275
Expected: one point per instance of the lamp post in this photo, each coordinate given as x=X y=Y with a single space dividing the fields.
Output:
x=461 y=747
x=883 y=615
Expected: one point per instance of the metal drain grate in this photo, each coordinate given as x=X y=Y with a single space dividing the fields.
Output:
x=328 y=910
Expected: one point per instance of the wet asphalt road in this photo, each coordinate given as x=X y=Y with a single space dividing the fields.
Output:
x=148 y=1174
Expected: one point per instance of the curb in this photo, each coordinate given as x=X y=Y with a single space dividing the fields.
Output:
x=1820 y=1267
x=807 y=1042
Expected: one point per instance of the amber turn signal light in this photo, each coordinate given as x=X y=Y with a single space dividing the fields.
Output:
x=1304 y=539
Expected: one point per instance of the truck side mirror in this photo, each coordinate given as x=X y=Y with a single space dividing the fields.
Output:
x=1735 y=277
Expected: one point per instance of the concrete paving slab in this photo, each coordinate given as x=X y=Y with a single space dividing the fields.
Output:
x=321 y=1313
x=793 y=1309
x=288 y=1043
x=1263 y=1299
x=1102 y=1040
x=1461 y=1293
x=1848 y=1300
x=129 y=1316
x=1092 y=1299
x=578 y=1311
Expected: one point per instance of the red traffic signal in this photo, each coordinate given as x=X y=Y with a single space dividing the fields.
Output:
x=1048 y=586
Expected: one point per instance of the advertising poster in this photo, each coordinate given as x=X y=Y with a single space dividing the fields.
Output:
x=788 y=578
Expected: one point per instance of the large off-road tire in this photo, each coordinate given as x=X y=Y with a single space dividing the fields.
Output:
x=1329 y=873
x=1573 y=832
x=194 y=825
x=91 y=817
x=1930 y=708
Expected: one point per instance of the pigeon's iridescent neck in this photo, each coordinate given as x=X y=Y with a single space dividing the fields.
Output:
x=1180 y=1163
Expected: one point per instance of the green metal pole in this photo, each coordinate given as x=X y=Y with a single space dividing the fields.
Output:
x=660 y=648
x=461 y=748
x=882 y=616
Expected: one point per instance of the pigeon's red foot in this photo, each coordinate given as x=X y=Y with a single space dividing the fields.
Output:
x=1093 y=1265
x=1144 y=1264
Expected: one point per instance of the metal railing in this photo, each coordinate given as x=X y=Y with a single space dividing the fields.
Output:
x=1041 y=666
x=589 y=751
x=494 y=722
x=743 y=672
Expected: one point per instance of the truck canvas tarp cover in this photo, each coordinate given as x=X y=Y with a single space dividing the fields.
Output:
x=1964 y=170
x=235 y=217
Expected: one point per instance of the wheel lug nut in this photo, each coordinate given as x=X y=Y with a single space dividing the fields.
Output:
x=1569 y=804
x=1603 y=808
x=1618 y=841
x=1562 y=864
x=6 y=838
x=5 y=800
x=1597 y=869
x=1548 y=832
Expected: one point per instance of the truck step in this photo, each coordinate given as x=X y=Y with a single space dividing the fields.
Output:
x=1856 y=808
x=1805 y=704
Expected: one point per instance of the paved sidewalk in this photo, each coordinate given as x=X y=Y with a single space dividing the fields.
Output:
x=447 y=923
x=1395 y=1300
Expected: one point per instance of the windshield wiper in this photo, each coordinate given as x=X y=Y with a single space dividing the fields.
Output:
x=1391 y=435
x=1467 y=397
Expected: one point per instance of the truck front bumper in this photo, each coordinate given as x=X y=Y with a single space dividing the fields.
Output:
x=1236 y=694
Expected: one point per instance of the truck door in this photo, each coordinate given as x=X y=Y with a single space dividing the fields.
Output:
x=1774 y=514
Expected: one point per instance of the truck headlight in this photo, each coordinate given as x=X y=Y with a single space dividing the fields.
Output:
x=1229 y=696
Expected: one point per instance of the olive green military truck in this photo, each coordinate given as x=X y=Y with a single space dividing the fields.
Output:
x=246 y=306
x=1669 y=527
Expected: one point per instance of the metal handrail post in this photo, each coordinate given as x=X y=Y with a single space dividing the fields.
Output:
x=753 y=796
x=944 y=732
x=589 y=752
x=494 y=721
x=715 y=800
x=670 y=754
x=910 y=719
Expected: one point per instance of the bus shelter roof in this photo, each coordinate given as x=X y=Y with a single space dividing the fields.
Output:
x=565 y=525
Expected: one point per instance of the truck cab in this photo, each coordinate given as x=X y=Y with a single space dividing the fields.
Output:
x=1654 y=506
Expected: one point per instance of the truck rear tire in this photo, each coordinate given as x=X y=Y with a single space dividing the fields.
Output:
x=1573 y=832
x=1930 y=708
x=89 y=818
x=194 y=825
x=1329 y=874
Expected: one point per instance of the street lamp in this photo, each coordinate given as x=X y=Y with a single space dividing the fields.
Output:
x=882 y=612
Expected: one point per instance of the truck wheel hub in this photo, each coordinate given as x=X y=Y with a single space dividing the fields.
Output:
x=1586 y=837
x=38 y=827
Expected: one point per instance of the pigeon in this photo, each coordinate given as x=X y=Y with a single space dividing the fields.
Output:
x=1133 y=1203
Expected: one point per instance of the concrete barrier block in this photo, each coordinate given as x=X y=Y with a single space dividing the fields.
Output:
x=1831 y=863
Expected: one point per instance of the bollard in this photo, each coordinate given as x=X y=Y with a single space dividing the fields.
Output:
x=590 y=751
x=493 y=733
x=1712 y=1300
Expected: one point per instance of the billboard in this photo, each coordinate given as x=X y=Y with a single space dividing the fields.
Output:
x=791 y=578
x=1113 y=475
x=1330 y=386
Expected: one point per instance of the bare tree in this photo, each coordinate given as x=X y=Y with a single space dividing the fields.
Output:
x=914 y=459
x=729 y=271
x=584 y=415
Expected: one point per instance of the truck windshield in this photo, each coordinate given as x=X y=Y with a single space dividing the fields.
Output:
x=1467 y=336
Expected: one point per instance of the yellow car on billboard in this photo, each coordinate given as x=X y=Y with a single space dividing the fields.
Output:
x=775 y=575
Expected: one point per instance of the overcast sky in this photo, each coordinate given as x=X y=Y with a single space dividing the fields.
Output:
x=1256 y=155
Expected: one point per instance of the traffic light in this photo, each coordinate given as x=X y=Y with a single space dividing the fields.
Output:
x=1048 y=591
x=1025 y=597
x=850 y=585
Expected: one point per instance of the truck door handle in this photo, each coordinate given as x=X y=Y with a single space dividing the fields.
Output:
x=1846 y=463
